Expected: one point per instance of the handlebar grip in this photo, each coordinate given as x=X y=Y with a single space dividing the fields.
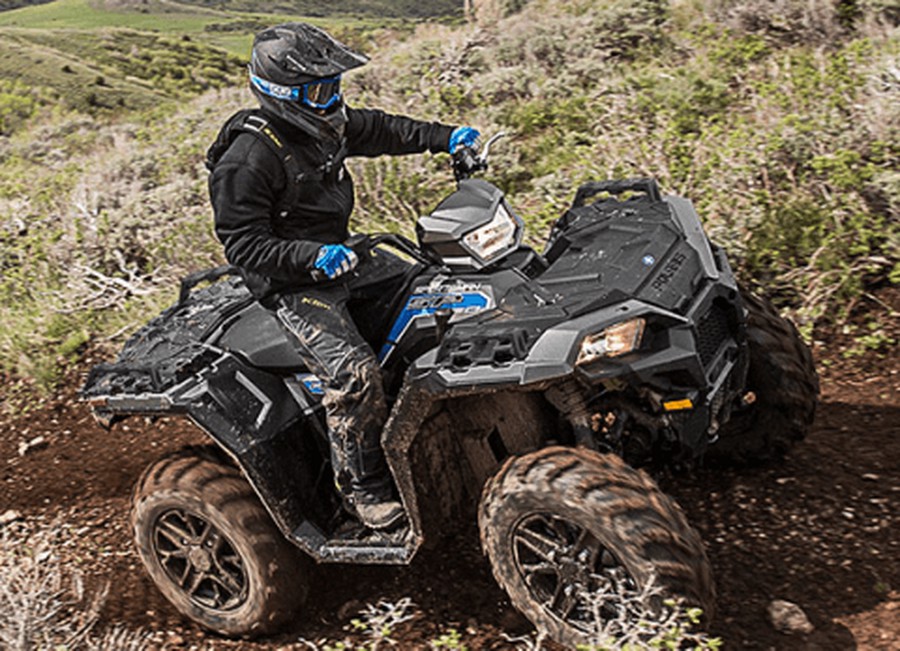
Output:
x=646 y=185
x=466 y=162
x=189 y=282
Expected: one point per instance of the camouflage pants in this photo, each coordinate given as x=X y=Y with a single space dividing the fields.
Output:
x=326 y=338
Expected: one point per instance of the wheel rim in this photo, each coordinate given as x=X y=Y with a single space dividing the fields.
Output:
x=569 y=572
x=200 y=560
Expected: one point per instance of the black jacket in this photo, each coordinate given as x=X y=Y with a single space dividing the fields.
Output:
x=276 y=251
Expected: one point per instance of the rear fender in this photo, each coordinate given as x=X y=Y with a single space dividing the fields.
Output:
x=261 y=420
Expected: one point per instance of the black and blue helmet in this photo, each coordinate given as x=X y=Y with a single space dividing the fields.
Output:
x=295 y=73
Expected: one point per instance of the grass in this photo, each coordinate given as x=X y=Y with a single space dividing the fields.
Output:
x=231 y=31
x=111 y=71
x=84 y=14
x=786 y=145
x=380 y=9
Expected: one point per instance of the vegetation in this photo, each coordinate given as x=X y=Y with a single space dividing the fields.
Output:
x=662 y=624
x=43 y=601
x=77 y=23
x=377 y=8
x=6 y=5
x=779 y=119
x=111 y=71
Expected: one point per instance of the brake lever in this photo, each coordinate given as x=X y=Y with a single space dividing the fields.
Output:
x=488 y=144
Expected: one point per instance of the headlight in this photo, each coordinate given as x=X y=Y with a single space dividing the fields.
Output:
x=614 y=341
x=497 y=235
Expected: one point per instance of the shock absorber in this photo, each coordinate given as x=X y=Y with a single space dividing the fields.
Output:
x=568 y=398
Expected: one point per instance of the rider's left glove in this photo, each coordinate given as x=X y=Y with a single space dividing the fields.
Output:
x=464 y=137
x=335 y=260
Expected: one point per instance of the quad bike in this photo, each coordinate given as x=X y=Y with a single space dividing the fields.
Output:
x=526 y=387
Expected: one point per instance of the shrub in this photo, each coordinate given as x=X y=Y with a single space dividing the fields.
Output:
x=43 y=602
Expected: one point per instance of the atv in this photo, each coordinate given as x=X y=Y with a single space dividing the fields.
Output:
x=529 y=388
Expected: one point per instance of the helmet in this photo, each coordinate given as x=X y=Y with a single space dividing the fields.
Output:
x=295 y=73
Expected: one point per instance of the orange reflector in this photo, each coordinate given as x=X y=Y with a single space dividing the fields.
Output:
x=678 y=405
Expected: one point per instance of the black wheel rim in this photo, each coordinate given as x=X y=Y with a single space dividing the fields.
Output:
x=570 y=572
x=200 y=560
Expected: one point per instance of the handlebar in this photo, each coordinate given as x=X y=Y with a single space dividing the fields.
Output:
x=362 y=244
x=467 y=161
x=400 y=243
x=211 y=275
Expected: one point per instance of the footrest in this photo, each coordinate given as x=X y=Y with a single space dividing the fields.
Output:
x=354 y=543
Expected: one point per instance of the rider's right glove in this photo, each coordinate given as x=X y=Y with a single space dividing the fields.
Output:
x=335 y=260
x=463 y=137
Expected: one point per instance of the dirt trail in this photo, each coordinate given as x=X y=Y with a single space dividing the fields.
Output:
x=818 y=530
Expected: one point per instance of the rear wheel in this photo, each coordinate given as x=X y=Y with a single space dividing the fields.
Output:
x=575 y=536
x=211 y=547
x=784 y=385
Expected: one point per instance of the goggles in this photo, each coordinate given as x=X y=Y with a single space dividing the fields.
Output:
x=317 y=94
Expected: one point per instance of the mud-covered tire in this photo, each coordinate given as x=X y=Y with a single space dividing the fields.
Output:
x=782 y=377
x=602 y=502
x=212 y=549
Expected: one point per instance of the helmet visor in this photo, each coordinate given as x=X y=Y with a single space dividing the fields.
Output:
x=318 y=93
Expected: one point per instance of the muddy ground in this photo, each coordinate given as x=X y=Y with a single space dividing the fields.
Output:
x=818 y=529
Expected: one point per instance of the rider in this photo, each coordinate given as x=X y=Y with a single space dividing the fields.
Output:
x=292 y=256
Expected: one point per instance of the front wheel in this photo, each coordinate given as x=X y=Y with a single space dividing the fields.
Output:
x=211 y=547
x=783 y=382
x=574 y=537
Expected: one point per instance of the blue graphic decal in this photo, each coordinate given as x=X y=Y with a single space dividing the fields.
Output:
x=419 y=305
x=648 y=260
x=312 y=383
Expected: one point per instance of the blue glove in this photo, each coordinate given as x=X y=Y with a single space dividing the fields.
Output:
x=464 y=137
x=335 y=260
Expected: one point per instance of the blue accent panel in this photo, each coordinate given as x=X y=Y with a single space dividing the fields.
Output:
x=419 y=305
x=312 y=383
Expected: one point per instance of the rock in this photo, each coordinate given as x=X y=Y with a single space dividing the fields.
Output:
x=37 y=443
x=9 y=517
x=349 y=609
x=789 y=618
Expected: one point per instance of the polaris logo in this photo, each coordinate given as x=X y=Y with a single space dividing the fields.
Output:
x=668 y=272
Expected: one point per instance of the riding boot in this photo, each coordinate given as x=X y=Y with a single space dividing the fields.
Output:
x=369 y=488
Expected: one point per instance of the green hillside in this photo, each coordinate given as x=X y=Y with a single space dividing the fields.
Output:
x=109 y=57
x=113 y=70
x=374 y=8
x=782 y=124
x=6 y=5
